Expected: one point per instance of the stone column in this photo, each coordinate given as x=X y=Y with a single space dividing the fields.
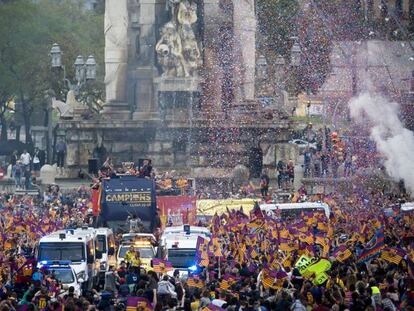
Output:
x=145 y=71
x=116 y=58
x=212 y=73
x=244 y=19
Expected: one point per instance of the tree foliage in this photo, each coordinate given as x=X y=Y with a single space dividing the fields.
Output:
x=279 y=21
x=27 y=31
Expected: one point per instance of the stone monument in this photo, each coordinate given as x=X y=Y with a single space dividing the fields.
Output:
x=116 y=58
x=180 y=88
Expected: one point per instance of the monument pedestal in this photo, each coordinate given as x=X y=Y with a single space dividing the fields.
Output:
x=116 y=111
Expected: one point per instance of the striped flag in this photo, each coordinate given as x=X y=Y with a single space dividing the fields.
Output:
x=212 y=307
x=253 y=253
x=342 y=253
x=410 y=267
x=373 y=247
x=306 y=238
x=215 y=247
x=287 y=245
x=138 y=303
x=272 y=279
x=195 y=282
x=224 y=285
x=202 y=258
x=227 y=281
x=161 y=266
x=393 y=255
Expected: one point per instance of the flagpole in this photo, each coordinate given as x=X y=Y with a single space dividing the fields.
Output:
x=219 y=267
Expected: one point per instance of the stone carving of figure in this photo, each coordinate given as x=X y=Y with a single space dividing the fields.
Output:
x=169 y=52
x=177 y=50
x=187 y=16
x=66 y=109
x=116 y=49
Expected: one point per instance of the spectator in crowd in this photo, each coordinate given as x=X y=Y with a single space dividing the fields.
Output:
x=281 y=168
x=27 y=178
x=26 y=159
x=307 y=158
x=13 y=161
x=17 y=173
x=324 y=164
x=264 y=184
x=291 y=172
x=36 y=162
x=317 y=165
x=60 y=153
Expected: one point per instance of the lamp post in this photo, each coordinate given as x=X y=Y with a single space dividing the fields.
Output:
x=84 y=72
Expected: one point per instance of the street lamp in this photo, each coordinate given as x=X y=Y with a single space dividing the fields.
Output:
x=90 y=68
x=79 y=68
x=56 y=54
x=83 y=71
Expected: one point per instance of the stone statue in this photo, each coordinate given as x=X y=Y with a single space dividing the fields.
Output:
x=169 y=50
x=66 y=109
x=116 y=49
x=187 y=16
x=177 y=50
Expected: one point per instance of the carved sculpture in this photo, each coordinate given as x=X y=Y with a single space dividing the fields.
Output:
x=66 y=109
x=177 y=50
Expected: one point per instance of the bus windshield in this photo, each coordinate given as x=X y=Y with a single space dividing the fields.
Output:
x=73 y=251
x=181 y=257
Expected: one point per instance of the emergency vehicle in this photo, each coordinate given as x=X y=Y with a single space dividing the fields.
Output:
x=179 y=245
x=143 y=242
x=74 y=246
x=64 y=273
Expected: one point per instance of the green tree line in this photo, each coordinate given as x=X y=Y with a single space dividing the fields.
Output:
x=27 y=31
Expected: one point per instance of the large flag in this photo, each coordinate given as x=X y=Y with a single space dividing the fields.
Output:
x=373 y=247
x=202 y=258
x=138 y=303
x=306 y=238
x=393 y=255
x=161 y=266
x=273 y=279
x=256 y=212
x=96 y=200
x=195 y=282
x=342 y=253
x=212 y=307
x=215 y=247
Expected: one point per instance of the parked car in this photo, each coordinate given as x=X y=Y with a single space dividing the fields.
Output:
x=302 y=144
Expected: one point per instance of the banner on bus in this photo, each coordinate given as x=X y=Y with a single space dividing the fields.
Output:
x=177 y=210
x=211 y=207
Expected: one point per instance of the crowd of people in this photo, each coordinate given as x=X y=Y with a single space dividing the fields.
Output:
x=362 y=259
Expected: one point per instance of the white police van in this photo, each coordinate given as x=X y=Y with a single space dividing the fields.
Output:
x=64 y=273
x=75 y=246
x=179 y=245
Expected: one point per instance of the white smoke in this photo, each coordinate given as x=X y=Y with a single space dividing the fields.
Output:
x=393 y=140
